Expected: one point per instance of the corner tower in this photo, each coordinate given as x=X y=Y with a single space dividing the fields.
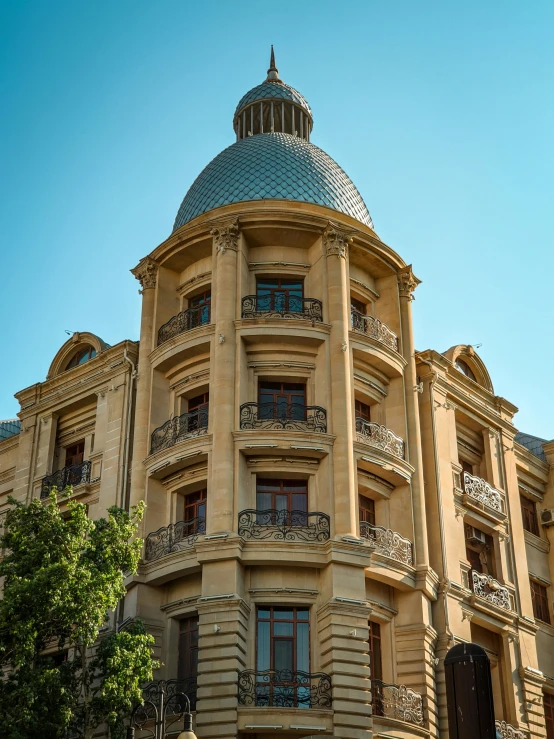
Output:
x=277 y=447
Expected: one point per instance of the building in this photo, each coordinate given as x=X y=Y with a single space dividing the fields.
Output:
x=328 y=509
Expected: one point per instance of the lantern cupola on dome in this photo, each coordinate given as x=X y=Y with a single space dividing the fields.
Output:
x=273 y=107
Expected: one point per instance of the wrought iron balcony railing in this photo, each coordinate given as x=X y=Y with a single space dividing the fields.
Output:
x=184 y=321
x=483 y=492
x=374 y=328
x=388 y=543
x=305 y=526
x=490 y=589
x=283 y=416
x=380 y=437
x=181 y=427
x=173 y=538
x=75 y=474
x=507 y=731
x=174 y=703
x=397 y=701
x=281 y=306
x=285 y=689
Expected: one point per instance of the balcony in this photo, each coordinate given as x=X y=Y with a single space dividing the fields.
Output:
x=283 y=417
x=486 y=587
x=396 y=701
x=375 y=329
x=507 y=731
x=75 y=474
x=191 y=318
x=480 y=490
x=181 y=427
x=176 y=537
x=388 y=543
x=284 y=525
x=284 y=689
x=174 y=703
x=379 y=436
x=282 y=306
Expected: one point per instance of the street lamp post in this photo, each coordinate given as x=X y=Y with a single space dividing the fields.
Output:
x=165 y=704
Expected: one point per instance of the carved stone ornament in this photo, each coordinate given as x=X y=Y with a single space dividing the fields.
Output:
x=335 y=241
x=407 y=282
x=226 y=236
x=146 y=272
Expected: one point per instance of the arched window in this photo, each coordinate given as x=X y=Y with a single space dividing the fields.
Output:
x=465 y=369
x=82 y=356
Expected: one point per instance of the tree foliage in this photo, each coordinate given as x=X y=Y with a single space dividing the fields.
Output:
x=62 y=575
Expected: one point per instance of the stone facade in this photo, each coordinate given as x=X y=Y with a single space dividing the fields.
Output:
x=407 y=469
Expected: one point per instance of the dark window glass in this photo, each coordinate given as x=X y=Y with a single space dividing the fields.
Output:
x=375 y=656
x=199 y=401
x=465 y=369
x=357 y=305
x=281 y=495
x=362 y=410
x=82 y=356
x=201 y=309
x=539 y=596
x=529 y=515
x=466 y=467
x=195 y=506
x=548 y=700
x=188 y=648
x=199 y=407
x=282 y=400
x=74 y=454
x=274 y=294
x=366 y=509
x=283 y=640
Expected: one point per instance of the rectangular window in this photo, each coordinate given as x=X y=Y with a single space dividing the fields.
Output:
x=362 y=410
x=199 y=306
x=529 y=515
x=539 y=596
x=187 y=669
x=195 y=512
x=375 y=654
x=280 y=296
x=198 y=408
x=282 y=400
x=366 y=509
x=283 y=645
x=281 y=495
x=357 y=305
x=74 y=454
x=548 y=701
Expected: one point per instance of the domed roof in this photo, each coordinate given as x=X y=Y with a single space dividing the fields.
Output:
x=273 y=90
x=272 y=165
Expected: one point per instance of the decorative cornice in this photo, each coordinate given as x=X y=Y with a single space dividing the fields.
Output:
x=407 y=282
x=336 y=240
x=146 y=272
x=226 y=236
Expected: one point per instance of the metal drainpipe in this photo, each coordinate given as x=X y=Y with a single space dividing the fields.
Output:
x=128 y=430
x=445 y=580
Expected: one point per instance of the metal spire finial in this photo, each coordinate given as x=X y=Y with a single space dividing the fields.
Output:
x=272 y=72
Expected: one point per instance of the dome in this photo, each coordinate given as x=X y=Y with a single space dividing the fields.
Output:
x=273 y=90
x=272 y=166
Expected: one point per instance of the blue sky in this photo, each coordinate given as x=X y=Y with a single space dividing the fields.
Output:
x=441 y=112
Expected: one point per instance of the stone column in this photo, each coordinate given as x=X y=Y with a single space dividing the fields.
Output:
x=335 y=246
x=223 y=378
x=407 y=283
x=146 y=272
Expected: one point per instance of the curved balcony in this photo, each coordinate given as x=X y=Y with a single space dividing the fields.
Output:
x=284 y=689
x=396 y=701
x=491 y=590
x=173 y=538
x=282 y=306
x=283 y=417
x=374 y=328
x=181 y=427
x=507 y=731
x=174 y=702
x=75 y=474
x=303 y=526
x=379 y=436
x=481 y=491
x=388 y=543
x=184 y=321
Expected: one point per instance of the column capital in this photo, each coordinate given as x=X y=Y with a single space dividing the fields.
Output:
x=146 y=272
x=407 y=282
x=226 y=235
x=336 y=240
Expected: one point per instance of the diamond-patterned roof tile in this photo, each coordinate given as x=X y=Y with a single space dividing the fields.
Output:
x=270 y=90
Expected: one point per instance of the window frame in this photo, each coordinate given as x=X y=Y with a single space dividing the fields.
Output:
x=529 y=515
x=540 y=601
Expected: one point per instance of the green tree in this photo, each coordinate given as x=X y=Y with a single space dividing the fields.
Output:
x=62 y=575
